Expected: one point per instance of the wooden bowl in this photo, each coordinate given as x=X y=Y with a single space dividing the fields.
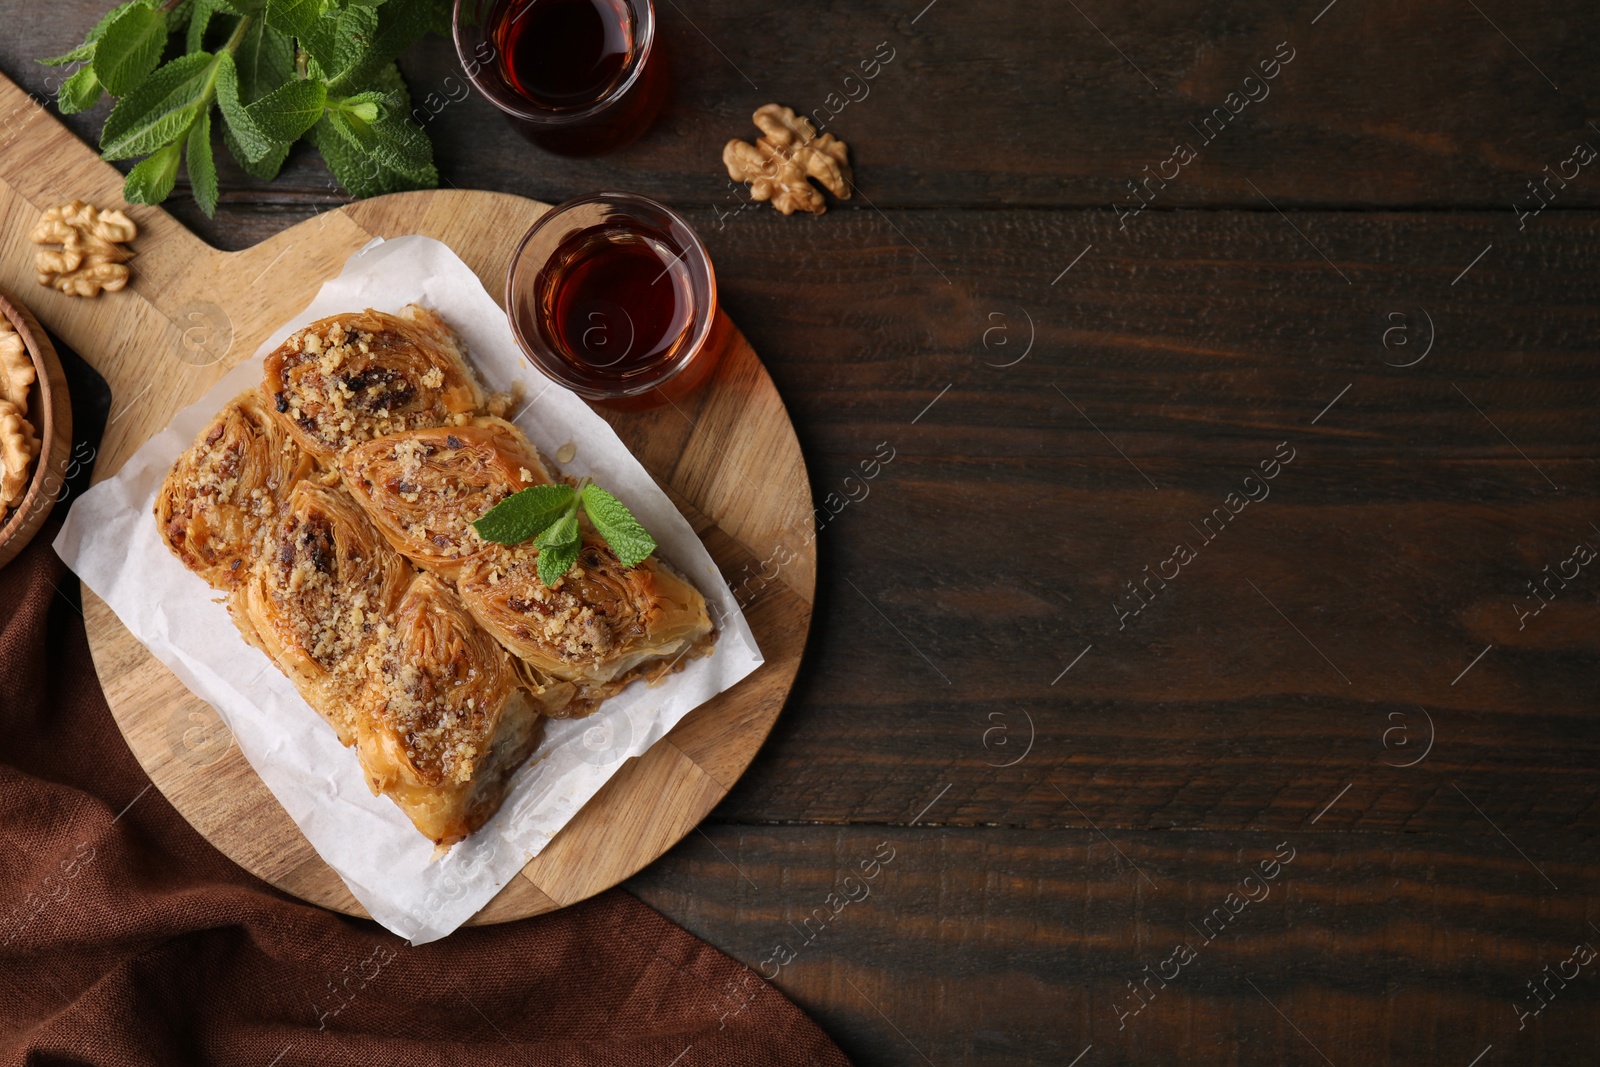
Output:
x=50 y=412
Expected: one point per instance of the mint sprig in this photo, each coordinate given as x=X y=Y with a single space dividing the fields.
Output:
x=547 y=515
x=272 y=72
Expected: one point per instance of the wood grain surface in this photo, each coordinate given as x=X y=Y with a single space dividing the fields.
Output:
x=1343 y=668
x=1033 y=102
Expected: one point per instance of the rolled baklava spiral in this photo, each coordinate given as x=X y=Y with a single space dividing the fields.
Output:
x=445 y=721
x=321 y=595
x=425 y=488
x=222 y=492
x=349 y=378
x=600 y=622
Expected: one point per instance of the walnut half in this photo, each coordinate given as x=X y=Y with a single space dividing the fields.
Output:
x=778 y=165
x=16 y=366
x=91 y=256
x=18 y=446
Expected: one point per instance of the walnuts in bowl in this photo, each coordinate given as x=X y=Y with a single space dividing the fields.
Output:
x=780 y=164
x=18 y=442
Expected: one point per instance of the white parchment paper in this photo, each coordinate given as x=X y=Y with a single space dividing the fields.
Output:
x=110 y=540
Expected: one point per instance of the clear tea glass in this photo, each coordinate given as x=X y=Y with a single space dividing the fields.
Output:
x=576 y=77
x=613 y=296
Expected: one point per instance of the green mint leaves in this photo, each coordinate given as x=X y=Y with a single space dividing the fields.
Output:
x=617 y=525
x=130 y=48
x=275 y=71
x=524 y=515
x=548 y=516
x=556 y=561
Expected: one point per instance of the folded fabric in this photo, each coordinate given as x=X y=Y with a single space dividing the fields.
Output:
x=125 y=938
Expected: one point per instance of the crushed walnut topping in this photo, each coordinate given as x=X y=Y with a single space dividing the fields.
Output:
x=328 y=593
x=442 y=707
x=428 y=487
x=216 y=503
x=562 y=619
x=342 y=386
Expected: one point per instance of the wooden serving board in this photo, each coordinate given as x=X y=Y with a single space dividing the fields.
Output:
x=728 y=456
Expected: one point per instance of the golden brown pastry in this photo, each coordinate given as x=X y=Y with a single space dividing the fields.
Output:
x=369 y=448
x=445 y=721
x=602 y=626
x=222 y=492
x=424 y=488
x=321 y=595
x=349 y=378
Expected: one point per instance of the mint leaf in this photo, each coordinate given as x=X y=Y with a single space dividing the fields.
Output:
x=338 y=43
x=393 y=142
x=159 y=110
x=202 y=165
x=265 y=59
x=524 y=514
x=360 y=175
x=177 y=17
x=387 y=80
x=151 y=181
x=365 y=157
x=152 y=132
x=559 y=534
x=288 y=112
x=200 y=22
x=556 y=561
x=130 y=48
x=401 y=24
x=293 y=17
x=80 y=92
x=629 y=540
x=368 y=107
x=252 y=141
x=82 y=89
x=263 y=63
x=278 y=69
x=266 y=168
x=85 y=51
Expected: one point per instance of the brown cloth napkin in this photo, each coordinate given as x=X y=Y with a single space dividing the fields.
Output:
x=126 y=938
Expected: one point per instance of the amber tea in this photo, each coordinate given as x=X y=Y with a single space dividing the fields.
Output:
x=613 y=296
x=562 y=53
x=614 y=303
x=575 y=76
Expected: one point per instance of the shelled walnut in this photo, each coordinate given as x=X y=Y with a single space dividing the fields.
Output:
x=92 y=256
x=779 y=165
x=18 y=446
x=18 y=443
x=16 y=366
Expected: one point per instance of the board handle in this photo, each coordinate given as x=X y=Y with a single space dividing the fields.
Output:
x=135 y=338
x=44 y=164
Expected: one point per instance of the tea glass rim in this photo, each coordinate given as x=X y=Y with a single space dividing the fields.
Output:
x=521 y=107
x=694 y=256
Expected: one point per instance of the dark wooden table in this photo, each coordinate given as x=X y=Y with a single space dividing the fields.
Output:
x=1319 y=787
